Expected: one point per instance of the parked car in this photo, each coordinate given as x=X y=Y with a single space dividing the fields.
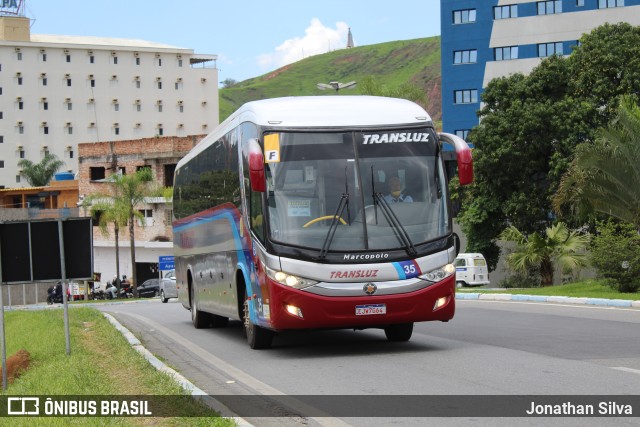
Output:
x=168 y=287
x=149 y=288
x=471 y=270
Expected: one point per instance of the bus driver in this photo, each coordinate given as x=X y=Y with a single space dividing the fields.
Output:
x=396 y=195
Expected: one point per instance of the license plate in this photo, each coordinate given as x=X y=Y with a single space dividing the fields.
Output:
x=371 y=309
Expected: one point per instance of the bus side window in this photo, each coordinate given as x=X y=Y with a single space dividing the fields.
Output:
x=256 y=214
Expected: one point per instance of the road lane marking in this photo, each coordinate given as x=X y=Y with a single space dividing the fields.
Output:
x=597 y=307
x=216 y=362
x=625 y=369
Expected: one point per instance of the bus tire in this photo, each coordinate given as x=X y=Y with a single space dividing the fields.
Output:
x=199 y=318
x=399 y=333
x=257 y=337
x=459 y=285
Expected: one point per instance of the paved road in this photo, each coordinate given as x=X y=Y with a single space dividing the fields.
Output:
x=489 y=348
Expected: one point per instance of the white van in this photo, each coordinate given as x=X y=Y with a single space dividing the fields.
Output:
x=471 y=270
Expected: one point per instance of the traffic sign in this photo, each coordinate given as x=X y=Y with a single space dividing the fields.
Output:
x=166 y=263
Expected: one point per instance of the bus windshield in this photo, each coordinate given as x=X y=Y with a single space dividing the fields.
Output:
x=355 y=191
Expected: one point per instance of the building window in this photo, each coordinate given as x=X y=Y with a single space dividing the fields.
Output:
x=96 y=173
x=19 y=56
x=21 y=152
x=505 y=12
x=70 y=131
x=467 y=96
x=44 y=81
x=116 y=107
x=68 y=58
x=579 y=3
x=463 y=133
x=160 y=131
x=115 y=60
x=17 y=179
x=92 y=59
x=181 y=108
x=21 y=129
x=45 y=105
x=138 y=107
x=137 y=84
x=1 y=115
x=71 y=154
x=19 y=80
x=116 y=130
x=159 y=84
x=93 y=82
x=549 y=7
x=465 y=56
x=45 y=130
x=548 y=49
x=159 y=62
x=465 y=16
x=1 y=164
x=604 y=4
x=68 y=82
x=20 y=105
x=69 y=106
x=179 y=62
x=1 y=139
x=506 y=53
x=44 y=57
x=137 y=61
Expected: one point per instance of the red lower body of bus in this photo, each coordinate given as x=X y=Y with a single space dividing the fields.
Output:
x=320 y=312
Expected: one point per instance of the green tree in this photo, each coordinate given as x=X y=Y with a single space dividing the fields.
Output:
x=40 y=174
x=527 y=131
x=604 y=176
x=109 y=211
x=616 y=255
x=558 y=246
x=530 y=126
x=128 y=193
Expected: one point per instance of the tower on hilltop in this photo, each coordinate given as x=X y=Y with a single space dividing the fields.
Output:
x=349 y=39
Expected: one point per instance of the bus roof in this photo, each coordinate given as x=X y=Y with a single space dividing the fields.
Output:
x=332 y=111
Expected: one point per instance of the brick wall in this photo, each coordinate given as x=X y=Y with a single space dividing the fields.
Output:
x=155 y=153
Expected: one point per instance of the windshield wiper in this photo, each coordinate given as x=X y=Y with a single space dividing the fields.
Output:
x=344 y=203
x=393 y=220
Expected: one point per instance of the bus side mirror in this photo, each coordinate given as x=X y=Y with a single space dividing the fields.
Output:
x=256 y=168
x=463 y=156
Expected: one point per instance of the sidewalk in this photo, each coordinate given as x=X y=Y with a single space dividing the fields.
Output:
x=550 y=299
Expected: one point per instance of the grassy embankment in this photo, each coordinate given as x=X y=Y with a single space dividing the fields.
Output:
x=101 y=363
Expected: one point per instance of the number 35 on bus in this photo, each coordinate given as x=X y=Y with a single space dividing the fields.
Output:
x=318 y=212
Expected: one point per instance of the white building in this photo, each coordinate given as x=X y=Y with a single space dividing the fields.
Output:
x=57 y=91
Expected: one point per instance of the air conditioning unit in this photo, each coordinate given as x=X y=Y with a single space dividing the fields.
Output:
x=138 y=125
x=43 y=74
x=67 y=75
x=44 y=147
x=19 y=147
x=114 y=77
x=204 y=103
x=43 y=124
x=91 y=100
x=180 y=125
x=90 y=76
x=136 y=54
x=203 y=80
x=92 y=124
x=69 y=148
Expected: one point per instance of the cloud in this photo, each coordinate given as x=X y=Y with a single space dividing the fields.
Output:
x=317 y=39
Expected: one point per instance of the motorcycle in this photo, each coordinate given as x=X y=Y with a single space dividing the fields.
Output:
x=56 y=296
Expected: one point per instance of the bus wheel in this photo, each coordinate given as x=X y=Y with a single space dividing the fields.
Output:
x=258 y=338
x=199 y=319
x=398 y=333
x=459 y=285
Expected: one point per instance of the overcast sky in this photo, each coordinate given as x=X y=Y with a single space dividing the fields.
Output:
x=250 y=37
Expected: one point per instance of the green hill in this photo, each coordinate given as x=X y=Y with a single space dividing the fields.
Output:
x=392 y=64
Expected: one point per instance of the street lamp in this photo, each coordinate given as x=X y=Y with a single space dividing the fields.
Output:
x=336 y=86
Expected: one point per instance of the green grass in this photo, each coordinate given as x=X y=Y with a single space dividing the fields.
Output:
x=392 y=63
x=95 y=345
x=582 y=289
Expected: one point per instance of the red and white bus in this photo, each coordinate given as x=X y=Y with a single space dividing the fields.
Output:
x=284 y=218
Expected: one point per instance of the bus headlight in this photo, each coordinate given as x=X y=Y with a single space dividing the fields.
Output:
x=439 y=274
x=289 y=279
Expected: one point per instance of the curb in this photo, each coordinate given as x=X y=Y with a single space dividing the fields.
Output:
x=181 y=380
x=602 y=302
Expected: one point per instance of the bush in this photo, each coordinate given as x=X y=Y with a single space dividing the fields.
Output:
x=530 y=279
x=616 y=255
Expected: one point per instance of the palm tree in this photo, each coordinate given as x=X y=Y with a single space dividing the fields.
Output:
x=604 y=176
x=558 y=246
x=40 y=174
x=128 y=192
x=109 y=211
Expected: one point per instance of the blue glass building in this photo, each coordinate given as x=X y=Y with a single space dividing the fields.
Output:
x=485 y=39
